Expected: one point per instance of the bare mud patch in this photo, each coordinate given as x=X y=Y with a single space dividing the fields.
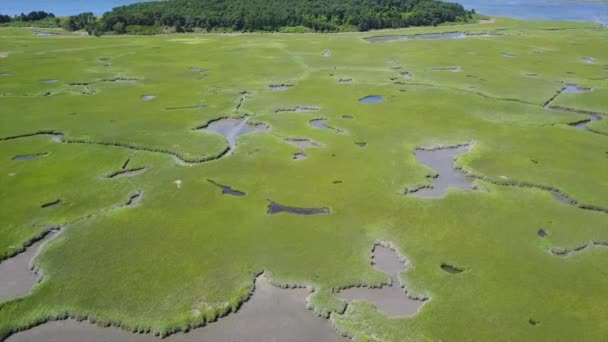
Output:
x=226 y=190
x=345 y=80
x=29 y=157
x=348 y=117
x=508 y=55
x=3 y=54
x=300 y=155
x=298 y=109
x=392 y=298
x=271 y=314
x=49 y=81
x=232 y=128
x=326 y=53
x=280 y=87
x=445 y=176
x=361 y=144
x=276 y=208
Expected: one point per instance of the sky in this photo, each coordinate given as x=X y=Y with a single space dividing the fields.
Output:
x=61 y=7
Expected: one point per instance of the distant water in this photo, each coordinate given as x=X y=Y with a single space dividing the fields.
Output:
x=61 y=7
x=567 y=10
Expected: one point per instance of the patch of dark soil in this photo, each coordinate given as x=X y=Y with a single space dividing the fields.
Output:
x=275 y=208
x=51 y=204
x=280 y=87
x=451 y=269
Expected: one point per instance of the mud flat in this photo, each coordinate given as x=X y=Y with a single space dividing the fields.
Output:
x=272 y=314
x=232 y=128
x=390 y=299
x=17 y=277
x=441 y=161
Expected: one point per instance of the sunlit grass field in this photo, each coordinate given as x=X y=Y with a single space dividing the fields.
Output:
x=186 y=253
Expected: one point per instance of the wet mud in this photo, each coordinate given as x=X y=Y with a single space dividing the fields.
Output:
x=445 y=176
x=391 y=299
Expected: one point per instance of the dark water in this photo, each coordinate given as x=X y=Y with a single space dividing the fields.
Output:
x=568 y=10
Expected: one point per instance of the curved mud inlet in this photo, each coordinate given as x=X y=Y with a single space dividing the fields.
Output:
x=390 y=298
x=582 y=125
x=226 y=190
x=446 y=175
x=268 y=313
x=276 y=208
x=127 y=172
x=17 y=274
x=320 y=124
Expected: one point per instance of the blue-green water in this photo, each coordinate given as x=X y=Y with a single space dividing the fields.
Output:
x=568 y=10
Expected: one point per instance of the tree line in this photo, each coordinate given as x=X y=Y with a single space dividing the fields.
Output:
x=258 y=15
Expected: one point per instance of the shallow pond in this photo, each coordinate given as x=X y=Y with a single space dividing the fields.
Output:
x=372 y=99
x=391 y=300
x=583 y=125
x=29 y=157
x=226 y=190
x=272 y=314
x=147 y=98
x=441 y=161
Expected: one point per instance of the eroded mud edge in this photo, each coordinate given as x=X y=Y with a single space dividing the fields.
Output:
x=207 y=317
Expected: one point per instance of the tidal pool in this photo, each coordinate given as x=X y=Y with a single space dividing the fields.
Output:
x=583 y=125
x=441 y=161
x=372 y=99
x=272 y=314
x=232 y=128
x=302 y=143
x=574 y=89
x=390 y=299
